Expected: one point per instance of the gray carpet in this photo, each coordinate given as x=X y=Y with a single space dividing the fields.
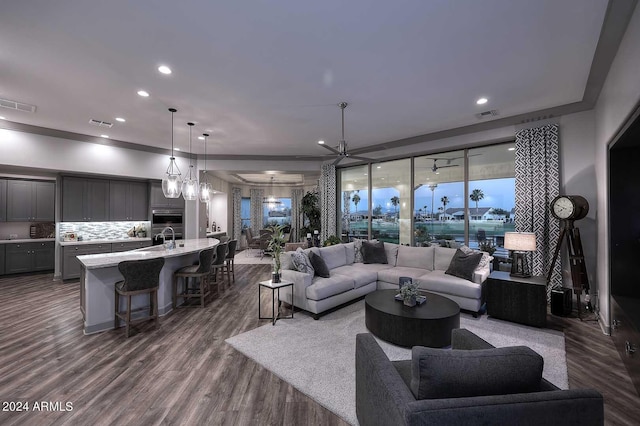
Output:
x=318 y=357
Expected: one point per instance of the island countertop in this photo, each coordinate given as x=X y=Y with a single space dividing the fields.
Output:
x=106 y=260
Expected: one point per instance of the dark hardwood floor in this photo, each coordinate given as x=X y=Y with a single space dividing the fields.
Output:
x=184 y=373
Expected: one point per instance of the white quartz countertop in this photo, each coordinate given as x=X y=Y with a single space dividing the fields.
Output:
x=106 y=260
x=27 y=240
x=121 y=240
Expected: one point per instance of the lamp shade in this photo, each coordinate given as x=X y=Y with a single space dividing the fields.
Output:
x=520 y=241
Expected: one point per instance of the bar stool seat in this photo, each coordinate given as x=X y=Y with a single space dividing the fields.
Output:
x=200 y=273
x=229 y=259
x=140 y=277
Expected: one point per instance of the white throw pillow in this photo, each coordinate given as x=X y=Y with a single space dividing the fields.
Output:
x=301 y=262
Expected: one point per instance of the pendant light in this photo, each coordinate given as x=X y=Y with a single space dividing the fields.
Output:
x=190 y=185
x=271 y=199
x=172 y=182
x=205 y=187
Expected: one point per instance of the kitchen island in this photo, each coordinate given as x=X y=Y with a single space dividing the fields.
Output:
x=100 y=273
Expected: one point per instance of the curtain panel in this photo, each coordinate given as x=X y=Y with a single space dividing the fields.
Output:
x=257 y=219
x=537 y=168
x=296 y=202
x=327 y=191
x=236 y=197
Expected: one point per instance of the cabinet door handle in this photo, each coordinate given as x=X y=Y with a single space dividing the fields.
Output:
x=629 y=348
x=615 y=324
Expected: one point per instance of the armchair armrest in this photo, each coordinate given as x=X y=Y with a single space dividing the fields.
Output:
x=481 y=275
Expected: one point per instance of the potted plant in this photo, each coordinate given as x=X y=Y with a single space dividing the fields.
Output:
x=487 y=246
x=409 y=293
x=332 y=240
x=276 y=247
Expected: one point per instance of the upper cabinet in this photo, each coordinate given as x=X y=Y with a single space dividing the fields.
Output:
x=128 y=200
x=158 y=200
x=85 y=199
x=3 y=200
x=30 y=201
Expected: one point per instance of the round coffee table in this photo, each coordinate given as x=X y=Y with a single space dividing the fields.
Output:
x=429 y=324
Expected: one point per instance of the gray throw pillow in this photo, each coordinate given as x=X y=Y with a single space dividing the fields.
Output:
x=319 y=265
x=463 y=265
x=439 y=373
x=301 y=262
x=373 y=252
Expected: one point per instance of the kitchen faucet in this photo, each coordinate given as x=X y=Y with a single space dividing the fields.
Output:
x=172 y=243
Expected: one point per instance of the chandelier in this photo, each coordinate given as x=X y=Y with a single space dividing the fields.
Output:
x=271 y=199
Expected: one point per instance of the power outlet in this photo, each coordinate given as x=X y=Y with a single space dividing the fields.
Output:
x=13 y=236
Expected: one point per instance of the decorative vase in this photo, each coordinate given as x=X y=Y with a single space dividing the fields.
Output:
x=410 y=301
x=275 y=278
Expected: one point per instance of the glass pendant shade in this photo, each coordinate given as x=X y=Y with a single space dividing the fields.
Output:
x=172 y=181
x=204 y=192
x=190 y=184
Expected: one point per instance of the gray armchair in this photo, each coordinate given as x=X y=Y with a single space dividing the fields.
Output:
x=384 y=396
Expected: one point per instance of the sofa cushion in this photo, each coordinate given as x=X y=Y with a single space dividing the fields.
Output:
x=334 y=256
x=391 y=250
x=350 y=252
x=360 y=276
x=440 y=282
x=375 y=267
x=442 y=258
x=462 y=265
x=415 y=257
x=393 y=275
x=319 y=265
x=300 y=260
x=321 y=288
x=373 y=252
x=438 y=373
x=285 y=260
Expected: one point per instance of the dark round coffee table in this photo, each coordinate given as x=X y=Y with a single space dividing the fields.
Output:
x=429 y=324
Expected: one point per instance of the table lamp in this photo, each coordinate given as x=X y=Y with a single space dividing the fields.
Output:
x=520 y=243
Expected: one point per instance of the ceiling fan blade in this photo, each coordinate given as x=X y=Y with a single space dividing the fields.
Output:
x=339 y=159
x=356 y=157
x=450 y=165
x=332 y=149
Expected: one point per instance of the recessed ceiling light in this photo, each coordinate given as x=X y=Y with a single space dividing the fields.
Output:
x=512 y=149
x=177 y=149
x=143 y=93
x=104 y=136
x=120 y=119
x=2 y=118
x=164 y=69
x=482 y=101
x=201 y=138
x=379 y=167
x=321 y=142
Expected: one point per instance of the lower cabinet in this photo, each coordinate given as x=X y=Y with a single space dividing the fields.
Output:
x=2 y=252
x=29 y=257
x=129 y=245
x=71 y=267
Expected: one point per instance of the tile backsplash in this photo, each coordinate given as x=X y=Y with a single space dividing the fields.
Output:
x=88 y=231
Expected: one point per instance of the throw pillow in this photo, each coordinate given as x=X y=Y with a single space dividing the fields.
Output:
x=319 y=265
x=486 y=257
x=357 y=247
x=463 y=265
x=437 y=373
x=373 y=252
x=301 y=262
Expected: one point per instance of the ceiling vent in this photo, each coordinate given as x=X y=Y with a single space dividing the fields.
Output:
x=17 y=106
x=487 y=114
x=100 y=123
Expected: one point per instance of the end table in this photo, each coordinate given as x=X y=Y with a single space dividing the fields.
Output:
x=522 y=300
x=275 y=286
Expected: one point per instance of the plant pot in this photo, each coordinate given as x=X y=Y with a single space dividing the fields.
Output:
x=411 y=301
x=275 y=277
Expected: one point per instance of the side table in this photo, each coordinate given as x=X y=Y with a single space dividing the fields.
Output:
x=275 y=286
x=522 y=300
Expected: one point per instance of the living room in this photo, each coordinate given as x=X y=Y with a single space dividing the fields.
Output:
x=39 y=146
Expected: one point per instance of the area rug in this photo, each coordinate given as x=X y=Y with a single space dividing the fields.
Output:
x=318 y=357
x=252 y=257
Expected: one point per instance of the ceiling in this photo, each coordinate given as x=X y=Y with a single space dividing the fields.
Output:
x=265 y=77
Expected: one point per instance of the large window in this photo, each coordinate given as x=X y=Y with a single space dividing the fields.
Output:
x=277 y=213
x=391 y=201
x=354 y=202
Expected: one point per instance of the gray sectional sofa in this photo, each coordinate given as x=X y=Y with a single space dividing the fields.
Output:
x=350 y=279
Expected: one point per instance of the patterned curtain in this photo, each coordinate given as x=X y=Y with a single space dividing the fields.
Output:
x=346 y=212
x=257 y=219
x=537 y=184
x=296 y=201
x=236 y=194
x=327 y=188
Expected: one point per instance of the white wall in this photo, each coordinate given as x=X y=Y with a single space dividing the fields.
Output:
x=620 y=94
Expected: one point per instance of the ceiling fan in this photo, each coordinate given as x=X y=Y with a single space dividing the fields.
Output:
x=341 y=150
x=435 y=166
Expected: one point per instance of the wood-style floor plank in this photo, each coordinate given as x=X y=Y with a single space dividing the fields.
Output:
x=184 y=373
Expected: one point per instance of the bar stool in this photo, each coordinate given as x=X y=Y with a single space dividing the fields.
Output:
x=199 y=272
x=140 y=277
x=228 y=261
x=218 y=264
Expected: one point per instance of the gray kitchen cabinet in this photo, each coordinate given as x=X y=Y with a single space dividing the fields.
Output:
x=85 y=200
x=71 y=267
x=30 y=201
x=128 y=200
x=29 y=257
x=2 y=256
x=3 y=200
x=158 y=199
x=129 y=245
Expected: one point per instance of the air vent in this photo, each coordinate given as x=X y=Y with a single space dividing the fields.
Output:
x=100 y=123
x=18 y=106
x=487 y=114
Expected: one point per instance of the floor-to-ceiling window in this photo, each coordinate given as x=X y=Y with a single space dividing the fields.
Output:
x=277 y=212
x=354 y=202
x=391 y=201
